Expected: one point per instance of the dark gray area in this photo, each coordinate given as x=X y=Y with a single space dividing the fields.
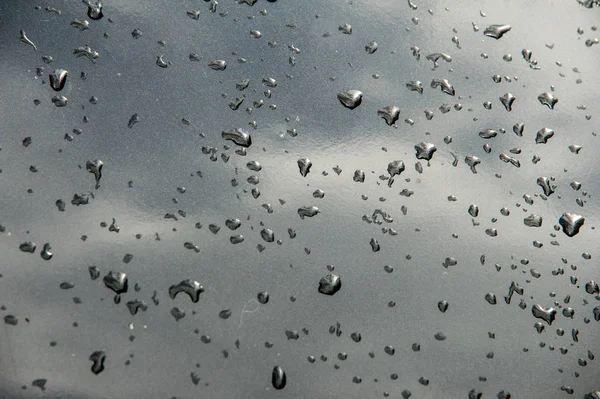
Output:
x=150 y=354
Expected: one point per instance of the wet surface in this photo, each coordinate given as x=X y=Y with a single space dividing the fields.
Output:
x=438 y=158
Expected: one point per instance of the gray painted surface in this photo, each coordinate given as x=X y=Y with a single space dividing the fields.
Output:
x=160 y=154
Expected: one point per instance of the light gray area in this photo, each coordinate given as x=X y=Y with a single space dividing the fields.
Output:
x=160 y=154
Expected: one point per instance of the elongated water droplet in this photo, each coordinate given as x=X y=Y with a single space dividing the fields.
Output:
x=97 y=358
x=496 y=31
x=26 y=40
x=95 y=167
x=278 y=379
x=239 y=136
x=304 y=164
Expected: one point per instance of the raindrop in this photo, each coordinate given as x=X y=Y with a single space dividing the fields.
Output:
x=390 y=114
x=571 y=223
x=547 y=99
x=278 y=378
x=97 y=358
x=58 y=78
x=330 y=284
x=304 y=164
x=546 y=314
x=351 y=98
x=496 y=31
x=190 y=287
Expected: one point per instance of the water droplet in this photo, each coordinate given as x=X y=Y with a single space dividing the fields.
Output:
x=60 y=101
x=80 y=24
x=546 y=314
x=304 y=164
x=473 y=210
x=116 y=281
x=26 y=40
x=267 y=235
x=97 y=358
x=190 y=287
x=543 y=135
x=425 y=150
x=496 y=31
x=546 y=185
x=571 y=223
x=490 y=298
x=278 y=378
x=136 y=305
x=94 y=10
x=239 y=136
x=95 y=167
x=345 y=29
x=371 y=47
x=177 y=313
x=46 y=252
x=237 y=239
x=472 y=161
x=330 y=284
x=218 y=65
x=161 y=62
x=350 y=98
x=444 y=86
x=58 y=78
x=28 y=246
x=86 y=51
x=507 y=100
x=415 y=85
x=263 y=297
x=533 y=221
x=547 y=99
x=390 y=113
x=443 y=306
x=308 y=211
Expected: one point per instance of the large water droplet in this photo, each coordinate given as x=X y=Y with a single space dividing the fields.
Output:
x=350 y=98
x=496 y=31
x=571 y=223
x=330 y=284
x=390 y=113
x=546 y=314
x=304 y=164
x=278 y=379
x=97 y=358
x=239 y=136
x=58 y=78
